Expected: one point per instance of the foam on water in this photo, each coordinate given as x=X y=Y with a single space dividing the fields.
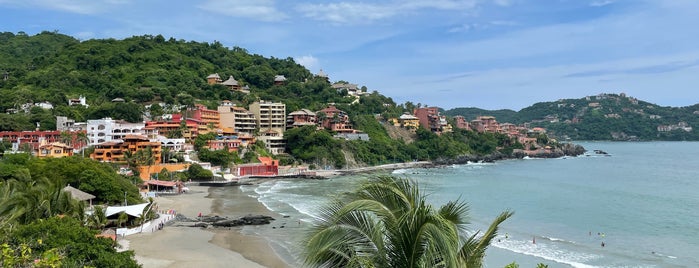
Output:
x=546 y=251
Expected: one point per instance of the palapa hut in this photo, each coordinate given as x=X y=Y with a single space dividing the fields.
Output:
x=79 y=195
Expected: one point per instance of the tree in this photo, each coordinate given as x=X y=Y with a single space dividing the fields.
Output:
x=387 y=222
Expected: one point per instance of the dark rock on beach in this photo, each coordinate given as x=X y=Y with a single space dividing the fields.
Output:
x=218 y=221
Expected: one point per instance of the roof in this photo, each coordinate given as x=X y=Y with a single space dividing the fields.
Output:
x=77 y=194
x=321 y=74
x=213 y=76
x=162 y=183
x=279 y=78
x=302 y=112
x=407 y=117
x=230 y=82
x=134 y=210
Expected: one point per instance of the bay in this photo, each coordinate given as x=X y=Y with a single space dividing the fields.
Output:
x=641 y=200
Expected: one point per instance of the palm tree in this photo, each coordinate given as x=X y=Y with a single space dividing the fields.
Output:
x=66 y=137
x=83 y=141
x=98 y=219
x=387 y=222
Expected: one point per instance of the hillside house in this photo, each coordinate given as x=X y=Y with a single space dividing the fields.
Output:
x=303 y=117
x=335 y=120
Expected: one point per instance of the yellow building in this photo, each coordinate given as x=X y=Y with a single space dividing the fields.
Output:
x=409 y=121
x=54 y=149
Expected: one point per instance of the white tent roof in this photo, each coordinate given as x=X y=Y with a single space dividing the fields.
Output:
x=134 y=210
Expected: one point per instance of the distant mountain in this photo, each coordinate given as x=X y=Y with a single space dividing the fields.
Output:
x=470 y=113
x=601 y=117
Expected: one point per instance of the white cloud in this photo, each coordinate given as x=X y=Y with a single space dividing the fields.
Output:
x=74 y=6
x=310 y=62
x=263 y=10
x=601 y=3
x=351 y=12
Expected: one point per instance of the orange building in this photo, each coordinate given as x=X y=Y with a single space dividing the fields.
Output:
x=207 y=117
x=115 y=151
x=164 y=127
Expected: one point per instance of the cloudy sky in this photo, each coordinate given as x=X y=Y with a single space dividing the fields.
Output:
x=493 y=54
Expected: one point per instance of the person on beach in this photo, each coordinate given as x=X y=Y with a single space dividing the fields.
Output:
x=534 y=240
x=602 y=244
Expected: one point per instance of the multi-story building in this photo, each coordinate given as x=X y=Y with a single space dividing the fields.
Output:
x=107 y=129
x=430 y=119
x=37 y=137
x=335 y=120
x=274 y=141
x=409 y=121
x=210 y=119
x=237 y=119
x=166 y=125
x=486 y=124
x=270 y=116
x=303 y=117
x=461 y=122
x=66 y=124
x=115 y=151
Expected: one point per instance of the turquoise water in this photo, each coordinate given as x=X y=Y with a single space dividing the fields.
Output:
x=642 y=202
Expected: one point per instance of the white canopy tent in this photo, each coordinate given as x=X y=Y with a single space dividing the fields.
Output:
x=133 y=210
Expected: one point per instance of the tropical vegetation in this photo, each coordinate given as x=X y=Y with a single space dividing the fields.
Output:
x=601 y=117
x=42 y=225
x=388 y=222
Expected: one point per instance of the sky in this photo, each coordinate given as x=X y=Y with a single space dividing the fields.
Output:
x=490 y=54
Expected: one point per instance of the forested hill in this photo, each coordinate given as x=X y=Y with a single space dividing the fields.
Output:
x=53 y=67
x=601 y=117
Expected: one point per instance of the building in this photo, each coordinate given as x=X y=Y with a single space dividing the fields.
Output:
x=279 y=80
x=269 y=116
x=210 y=119
x=409 y=121
x=266 y=167
x=274 y=141
x=168 y=124
x=303 y=117
x=461 y=122
x=335 y=120
x=430 y=119
x=107 y=129
x=79 y=101
x=115 y=151
x=237 y=119
x=229 y=143
x=54 y=149
x=66 y=124
x=232 y=84
x=213 y=79
x=485 y=124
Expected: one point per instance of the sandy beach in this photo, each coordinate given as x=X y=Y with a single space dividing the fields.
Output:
x=178 y=245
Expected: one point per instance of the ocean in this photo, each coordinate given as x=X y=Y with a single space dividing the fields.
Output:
x=641 y=200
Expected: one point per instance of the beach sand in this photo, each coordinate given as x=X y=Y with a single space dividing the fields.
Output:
x=178 y=245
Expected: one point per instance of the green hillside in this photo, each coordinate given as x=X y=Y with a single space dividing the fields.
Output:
x=51 y=67
x=602 y=117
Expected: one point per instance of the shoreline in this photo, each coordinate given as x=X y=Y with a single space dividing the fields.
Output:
x=180 y=245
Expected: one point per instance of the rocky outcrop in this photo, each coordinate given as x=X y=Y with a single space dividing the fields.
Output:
x=218 y=221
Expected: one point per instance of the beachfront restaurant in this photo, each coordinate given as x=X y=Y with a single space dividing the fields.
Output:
x=163 y=187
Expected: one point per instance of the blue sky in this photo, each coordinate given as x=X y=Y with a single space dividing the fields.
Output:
x=492 y=54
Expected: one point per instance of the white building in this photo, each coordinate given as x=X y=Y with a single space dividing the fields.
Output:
x=107 y=129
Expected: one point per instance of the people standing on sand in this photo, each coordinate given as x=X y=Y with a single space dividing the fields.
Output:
x=602 y=244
